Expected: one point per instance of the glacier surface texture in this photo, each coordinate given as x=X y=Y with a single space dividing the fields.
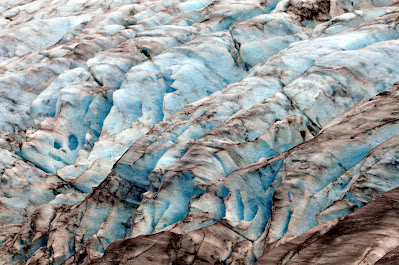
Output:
x=199 y=132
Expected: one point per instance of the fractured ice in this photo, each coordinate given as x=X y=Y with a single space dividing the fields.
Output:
x=188 y=132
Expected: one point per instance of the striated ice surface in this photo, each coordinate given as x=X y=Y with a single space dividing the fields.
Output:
x=199 y=132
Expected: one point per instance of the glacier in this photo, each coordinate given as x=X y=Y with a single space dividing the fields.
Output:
x=199 y=132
